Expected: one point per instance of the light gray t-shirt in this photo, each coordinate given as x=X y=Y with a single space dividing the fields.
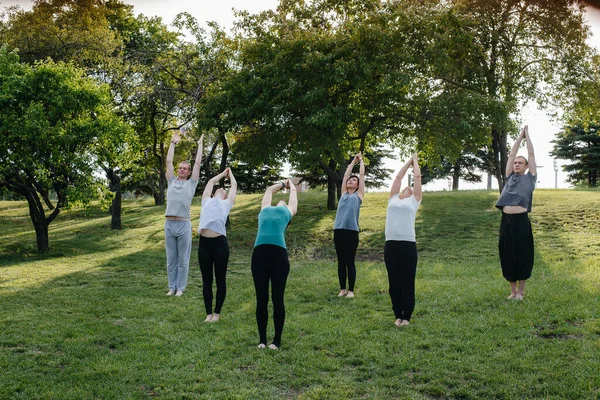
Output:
x=400 y=218
x=518 y=191
x=347 y=212
x=214 y=214
x=179 y=197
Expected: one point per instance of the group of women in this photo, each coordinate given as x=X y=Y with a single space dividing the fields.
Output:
x=270 y=264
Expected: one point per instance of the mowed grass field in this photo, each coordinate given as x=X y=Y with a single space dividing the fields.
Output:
x=90 y=320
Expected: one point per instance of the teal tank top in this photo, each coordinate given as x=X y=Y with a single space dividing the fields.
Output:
x=272 y=222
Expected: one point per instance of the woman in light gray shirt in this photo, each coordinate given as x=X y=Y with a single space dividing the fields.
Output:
x=178 y=226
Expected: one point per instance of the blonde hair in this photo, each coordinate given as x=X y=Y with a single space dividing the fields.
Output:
x=526 y=162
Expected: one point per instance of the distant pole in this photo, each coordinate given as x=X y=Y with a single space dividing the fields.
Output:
x=555 y=174
x=409 y=179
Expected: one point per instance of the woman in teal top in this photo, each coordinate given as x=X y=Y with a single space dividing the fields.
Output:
x=270 y=260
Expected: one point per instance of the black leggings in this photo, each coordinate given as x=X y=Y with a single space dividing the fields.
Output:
x=270 y=263
x=346 y=243
x=213 y=251
x=516 y=247
x=401 y=264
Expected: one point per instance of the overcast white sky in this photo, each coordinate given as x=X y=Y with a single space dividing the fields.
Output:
x=542 y=130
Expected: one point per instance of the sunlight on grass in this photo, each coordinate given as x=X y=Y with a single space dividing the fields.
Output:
x=90 y=318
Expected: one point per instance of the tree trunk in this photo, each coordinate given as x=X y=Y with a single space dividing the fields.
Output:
x=159 y=156
x=500 y=156
x=456 y=175
x=159 y=196
x=225 y=152
x=114 y=184
x=331 y=191
x=38 y=218
x=332 y=182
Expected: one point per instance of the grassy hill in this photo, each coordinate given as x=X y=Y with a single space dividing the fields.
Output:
x=90 y=319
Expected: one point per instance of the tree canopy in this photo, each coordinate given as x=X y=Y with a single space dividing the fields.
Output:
x=581 y=146
x=52 y=116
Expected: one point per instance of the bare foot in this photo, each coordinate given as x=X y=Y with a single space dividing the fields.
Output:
x=215 y=317
x=208 y=318
x=342 y=293
x=512 y=296
x=273 y=346
x=398 y=322
x=170 y=293
x=350 y=295
x=179 y=293
x=261 y=346
x=519 y=296
x=404 y=322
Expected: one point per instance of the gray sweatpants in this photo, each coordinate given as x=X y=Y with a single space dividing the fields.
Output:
x=178 y=242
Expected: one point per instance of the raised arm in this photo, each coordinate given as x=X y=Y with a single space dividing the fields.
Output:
x=417 y=189
x=361 y=175
x=530 y=154
x=170 y=170
x=266 y=201
x=232 y=187
x=513 y=152
x=293 y=200
x=349 y=172
x=395 y=189
x=211 y=184
x=196 y=170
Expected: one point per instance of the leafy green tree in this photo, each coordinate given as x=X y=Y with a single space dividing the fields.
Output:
x=506 y=53
x=165 y=79
x=117 y=154
x=64 y=30
x=92 y=35
x=581 y=146
x=315 y=83
x=52 y=116
x=585 y=108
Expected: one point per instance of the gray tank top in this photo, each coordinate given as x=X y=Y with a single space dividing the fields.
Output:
x=518 y=191
x=347 y=212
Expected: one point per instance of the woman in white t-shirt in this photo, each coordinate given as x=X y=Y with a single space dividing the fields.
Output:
x=213 y=248
x=400 y=251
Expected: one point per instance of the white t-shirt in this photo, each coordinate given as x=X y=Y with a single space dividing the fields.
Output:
x=400 y=218
x=214 y=214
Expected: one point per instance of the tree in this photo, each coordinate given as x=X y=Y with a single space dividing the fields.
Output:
x=507 y=53
x=581 y=146
x=52 y=115
x=167 y=77
x=585 y=108
x=117 y=154
x=64 y=30
x=462 y=168
x=315 y=83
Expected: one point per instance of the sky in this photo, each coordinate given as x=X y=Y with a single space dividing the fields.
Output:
x=541 y=128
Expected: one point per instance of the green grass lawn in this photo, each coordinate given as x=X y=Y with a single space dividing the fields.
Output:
x=90 y=320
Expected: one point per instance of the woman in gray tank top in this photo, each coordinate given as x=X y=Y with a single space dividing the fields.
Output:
x=515 y=245
x=345 y=228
